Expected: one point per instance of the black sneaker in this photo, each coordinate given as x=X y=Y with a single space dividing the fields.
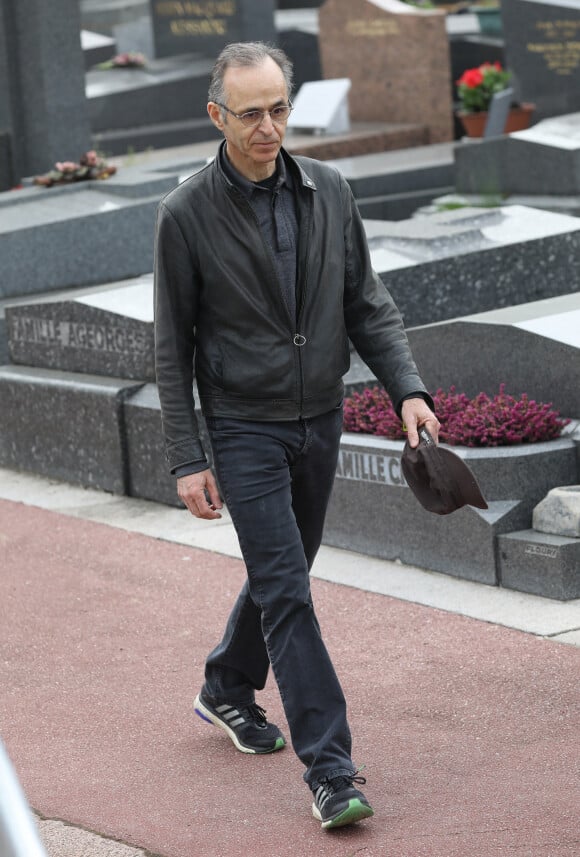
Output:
x=337 y=802
x=245 y=724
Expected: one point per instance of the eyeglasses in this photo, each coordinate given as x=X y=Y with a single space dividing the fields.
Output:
x=278 y=114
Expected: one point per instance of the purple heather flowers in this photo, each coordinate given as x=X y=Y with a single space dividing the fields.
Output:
x=500 y=420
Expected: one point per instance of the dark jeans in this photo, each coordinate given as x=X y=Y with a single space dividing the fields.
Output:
x=276 y=479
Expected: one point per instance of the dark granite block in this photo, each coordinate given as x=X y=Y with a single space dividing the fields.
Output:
x=399 y=171
x=373 y=511
x=541 y=564
x=205 y=28
x=149 y=476
x=524 y=347
x=107 y=332
x=543 y=160
x=542 y=46
x=74 y=236
x=7 y=174
x=472 y=260
x=164 y=91
x=64 y=426
x=302 y=49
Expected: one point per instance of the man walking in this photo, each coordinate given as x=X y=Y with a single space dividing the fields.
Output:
x=262 y=274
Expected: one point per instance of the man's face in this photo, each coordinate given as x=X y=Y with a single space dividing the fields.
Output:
x=252 y=151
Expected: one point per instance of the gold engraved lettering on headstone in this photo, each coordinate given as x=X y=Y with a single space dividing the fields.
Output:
x=372 y=28
x=560 y=47
x=218 y=8
x=214 y=27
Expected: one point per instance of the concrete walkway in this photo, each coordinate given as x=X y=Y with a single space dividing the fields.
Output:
x=464 y=703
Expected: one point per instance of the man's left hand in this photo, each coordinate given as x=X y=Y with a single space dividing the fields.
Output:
x=416 y=413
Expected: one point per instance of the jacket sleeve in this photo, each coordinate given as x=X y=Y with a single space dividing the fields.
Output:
x=176 y=299
x=373 y=322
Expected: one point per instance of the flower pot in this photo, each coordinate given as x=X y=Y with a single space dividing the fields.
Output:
x=519 y=119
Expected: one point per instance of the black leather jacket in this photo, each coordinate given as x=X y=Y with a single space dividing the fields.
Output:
x=218 y=300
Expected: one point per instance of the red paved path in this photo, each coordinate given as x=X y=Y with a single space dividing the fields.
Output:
x=470 y=732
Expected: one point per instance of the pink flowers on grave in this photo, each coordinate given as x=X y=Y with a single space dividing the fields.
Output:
x=501 y=420
x=66 y=166
x=128 y=59
x=90 y=166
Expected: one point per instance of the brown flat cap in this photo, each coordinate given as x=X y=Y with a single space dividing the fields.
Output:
x=440 y=480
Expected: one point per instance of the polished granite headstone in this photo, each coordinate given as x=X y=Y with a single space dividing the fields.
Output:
x=397 y=57
x=42 y=98
x=532 y=348
x=373 y=511
x=457 y=263
x=104 y=332
x=205 y=28
x=64 y=425
x=542 y=47
x=543 y=160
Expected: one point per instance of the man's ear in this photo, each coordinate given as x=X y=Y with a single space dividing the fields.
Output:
x=215 y=114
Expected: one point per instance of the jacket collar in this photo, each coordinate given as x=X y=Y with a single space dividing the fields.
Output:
x=287 y=161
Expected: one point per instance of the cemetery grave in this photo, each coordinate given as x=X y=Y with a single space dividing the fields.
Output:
x=497 y=283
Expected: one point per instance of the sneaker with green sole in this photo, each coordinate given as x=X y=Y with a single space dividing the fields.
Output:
x=246 y=725
x=338 y=803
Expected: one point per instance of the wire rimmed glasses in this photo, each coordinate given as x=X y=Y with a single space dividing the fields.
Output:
x=278 y=114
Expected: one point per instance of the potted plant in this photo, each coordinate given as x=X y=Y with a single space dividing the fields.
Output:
x=476 y=88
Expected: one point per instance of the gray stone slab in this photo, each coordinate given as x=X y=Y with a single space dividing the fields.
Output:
x=97 y=48
x=373 y=511
x=472 y=260
x=64 y=426
x=107 y=332
x=532 y=348
x=540 y=564
x=206 y=28
x=542 y=160
x=163 y=91
x=149 y=476
x=399 y=171
x=83 y=234
x=542 y=45
x=90 y=237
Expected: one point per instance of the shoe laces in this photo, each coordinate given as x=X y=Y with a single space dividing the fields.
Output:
x=342 y=781
x=255 y=713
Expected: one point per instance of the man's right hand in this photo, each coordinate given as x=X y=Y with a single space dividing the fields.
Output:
x=192 y=490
